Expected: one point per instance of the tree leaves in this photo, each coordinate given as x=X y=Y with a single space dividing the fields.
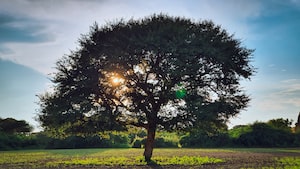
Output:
x=152 y=55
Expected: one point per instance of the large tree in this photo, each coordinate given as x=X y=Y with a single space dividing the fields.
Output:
x=159 y=72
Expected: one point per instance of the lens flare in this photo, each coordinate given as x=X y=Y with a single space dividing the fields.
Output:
x=180 y=93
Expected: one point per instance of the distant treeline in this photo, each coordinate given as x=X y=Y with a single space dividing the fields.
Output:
x=254 y=135
x=274 y=133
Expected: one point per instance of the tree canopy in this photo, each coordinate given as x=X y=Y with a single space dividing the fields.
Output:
x=12 y=126
x=282 y=124
x=158 y=72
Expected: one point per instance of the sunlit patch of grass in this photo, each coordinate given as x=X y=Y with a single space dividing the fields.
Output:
x=127 y=161
x=108 y=161
x=289 y=162
x=108 y=157
x=186 y=160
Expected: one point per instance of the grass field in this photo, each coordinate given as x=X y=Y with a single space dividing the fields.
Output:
x=162 y=158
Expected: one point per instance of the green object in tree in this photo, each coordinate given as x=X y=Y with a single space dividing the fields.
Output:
x=180 y=93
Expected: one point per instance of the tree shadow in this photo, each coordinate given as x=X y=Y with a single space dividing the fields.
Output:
x=153 y=164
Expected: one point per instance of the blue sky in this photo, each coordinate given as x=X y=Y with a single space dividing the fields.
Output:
x=35 y=34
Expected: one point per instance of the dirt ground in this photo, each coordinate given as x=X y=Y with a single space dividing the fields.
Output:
x=233 y=160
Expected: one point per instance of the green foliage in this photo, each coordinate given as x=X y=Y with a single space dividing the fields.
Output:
x=253 y=135
x=108 y=161
x=274 y=133
x=289 y=162
x=40 y=140
x=281 y=124
x=263 y=135
x=186 y=160
x=138 y=143
x=203 y=139
x=15 y=134
x=167 y=139
x=297 y=140
x=208 y=134
x=237 y=131
x=127 y=72
x=17 y=141
x=162 y=143
x=162 y=140
x=116 y=140
x=127 y=161
x=13 y=126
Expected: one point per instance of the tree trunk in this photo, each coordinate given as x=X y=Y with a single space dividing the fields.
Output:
x=149 y=142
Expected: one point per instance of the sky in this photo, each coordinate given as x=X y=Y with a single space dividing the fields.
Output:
x=34 y=34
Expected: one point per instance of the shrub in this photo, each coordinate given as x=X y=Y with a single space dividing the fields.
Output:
x=137 y=144
x=264 y=135
x=204 y=139
x=17 y=141
x=162 y=143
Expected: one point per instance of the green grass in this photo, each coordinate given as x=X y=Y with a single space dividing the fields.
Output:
x=289 y=162
x=267 y=150
x=90 y=157
x=129 y=157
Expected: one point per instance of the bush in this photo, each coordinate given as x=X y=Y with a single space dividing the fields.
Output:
x=137 y=144
x=297 y=140
x=73 y=142
x=204 y=139
x=159 y=143
x=264 y=135
x=17 y=141
x=162 y=143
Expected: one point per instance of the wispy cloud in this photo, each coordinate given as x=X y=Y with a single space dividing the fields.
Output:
x=284 y=95
x=39 y=32
x=20 y=30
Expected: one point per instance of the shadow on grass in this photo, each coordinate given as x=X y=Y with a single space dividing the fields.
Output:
x=153 y=164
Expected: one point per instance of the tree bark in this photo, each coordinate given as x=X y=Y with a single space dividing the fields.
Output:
x=151 y=129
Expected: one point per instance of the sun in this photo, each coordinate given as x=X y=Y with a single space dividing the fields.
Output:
x=116 y=80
